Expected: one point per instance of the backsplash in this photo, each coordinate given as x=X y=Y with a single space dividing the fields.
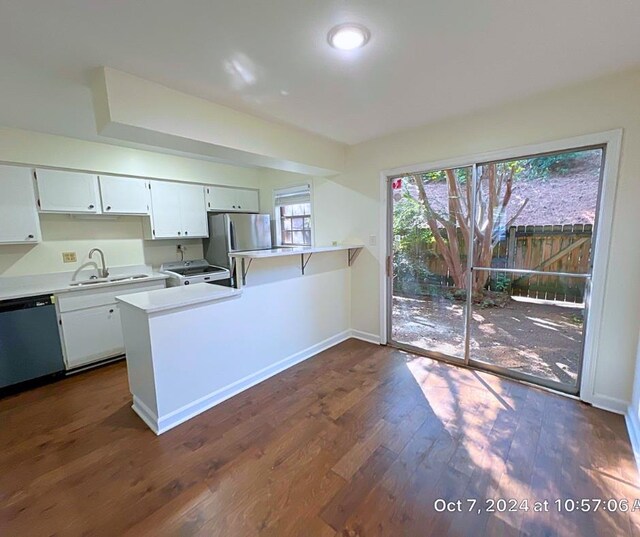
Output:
x=119 y=238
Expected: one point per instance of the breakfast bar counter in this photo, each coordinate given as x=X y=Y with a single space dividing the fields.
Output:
x=190 y=347
x=247 y=257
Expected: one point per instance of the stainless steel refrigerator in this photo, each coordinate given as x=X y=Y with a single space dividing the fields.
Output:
x=235 y=232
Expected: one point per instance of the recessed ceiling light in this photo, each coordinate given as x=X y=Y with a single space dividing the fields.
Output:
x=348 y=36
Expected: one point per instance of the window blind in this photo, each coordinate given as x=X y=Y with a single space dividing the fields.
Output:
x=292 y=195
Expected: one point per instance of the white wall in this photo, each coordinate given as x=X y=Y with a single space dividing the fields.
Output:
x=120 y=239
x=331 y=203
x=601 y=105
x=633 y=412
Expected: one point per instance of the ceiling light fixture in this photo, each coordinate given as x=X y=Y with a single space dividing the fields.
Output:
x=348 y=36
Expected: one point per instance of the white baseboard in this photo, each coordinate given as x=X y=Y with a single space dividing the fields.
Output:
x=633 y=428
x=365 y=336
x=161 y=424
x=612 y=404
x=146 y=414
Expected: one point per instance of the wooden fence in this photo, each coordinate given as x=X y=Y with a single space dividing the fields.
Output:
x=565 y=248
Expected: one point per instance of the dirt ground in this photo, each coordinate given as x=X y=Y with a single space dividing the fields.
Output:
x=540 y=339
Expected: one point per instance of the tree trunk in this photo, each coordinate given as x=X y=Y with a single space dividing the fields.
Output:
x=452 y=231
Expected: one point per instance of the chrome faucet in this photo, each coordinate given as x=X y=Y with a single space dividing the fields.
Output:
x=103 y=272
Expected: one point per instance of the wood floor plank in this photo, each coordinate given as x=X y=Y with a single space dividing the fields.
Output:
x=359 y=441
x=336 y=512
x=353 y=460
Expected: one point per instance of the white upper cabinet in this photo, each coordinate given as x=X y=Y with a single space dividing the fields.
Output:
x=19 y=222
x=177 y=210
x=248 y=201
x=165 y=210
x=226 y=199
x=192 y=211
x=124 y=195
x=67 y=192
x=220 y=198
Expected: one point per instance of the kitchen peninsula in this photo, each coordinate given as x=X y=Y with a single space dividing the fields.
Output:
x=191 y=347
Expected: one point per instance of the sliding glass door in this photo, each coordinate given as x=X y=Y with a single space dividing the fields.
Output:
x=491 y=263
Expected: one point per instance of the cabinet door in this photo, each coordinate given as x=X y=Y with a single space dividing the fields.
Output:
x=165 y=210
x=124 y=195
x=19 y=220
x=248 y=201
x=192 y=211
x=221 y=199
x=91 y=334
x=67 y=192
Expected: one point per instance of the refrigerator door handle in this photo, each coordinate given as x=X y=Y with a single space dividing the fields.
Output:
x=232 y=236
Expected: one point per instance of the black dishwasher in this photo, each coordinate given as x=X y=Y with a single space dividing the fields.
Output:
x=29 y=340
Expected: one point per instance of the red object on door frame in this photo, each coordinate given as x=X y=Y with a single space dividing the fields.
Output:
x=396 y=184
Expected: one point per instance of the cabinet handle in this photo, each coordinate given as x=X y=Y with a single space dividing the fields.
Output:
x=91 y=206
x=239 y=206
x=186 y=232
x=108 y=207
x=111 y=311
x=178 y=233
x=29 y=236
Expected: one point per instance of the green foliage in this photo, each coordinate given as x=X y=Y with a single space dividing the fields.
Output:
x=412 y=241
x=409 y=225
x=462 y=175
x=558 y=164
x=501 y=283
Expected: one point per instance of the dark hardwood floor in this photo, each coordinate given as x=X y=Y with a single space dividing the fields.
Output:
x=359 y=441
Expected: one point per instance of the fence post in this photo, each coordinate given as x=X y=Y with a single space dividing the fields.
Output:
x=511 y=247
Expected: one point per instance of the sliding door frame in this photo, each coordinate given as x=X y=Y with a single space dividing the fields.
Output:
x=611 y=142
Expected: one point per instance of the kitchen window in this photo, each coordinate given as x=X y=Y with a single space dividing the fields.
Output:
x=293 y=215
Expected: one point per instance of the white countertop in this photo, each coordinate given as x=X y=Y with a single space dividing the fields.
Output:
x=294 y=250
x=59 y=282
x=172 y=298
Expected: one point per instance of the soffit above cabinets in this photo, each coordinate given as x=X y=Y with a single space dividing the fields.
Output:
x=130 y=108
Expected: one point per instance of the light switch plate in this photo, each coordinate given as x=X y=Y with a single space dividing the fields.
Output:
x=69 y=257
x=373 y=240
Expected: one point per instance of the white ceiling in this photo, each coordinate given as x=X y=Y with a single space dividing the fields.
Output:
x=426 y=60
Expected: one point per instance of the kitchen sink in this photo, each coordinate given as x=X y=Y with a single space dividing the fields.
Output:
x=97 y=281
x=125 y=278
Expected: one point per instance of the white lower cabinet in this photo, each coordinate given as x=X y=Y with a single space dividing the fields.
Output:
x=92 y=334
x=90 y=325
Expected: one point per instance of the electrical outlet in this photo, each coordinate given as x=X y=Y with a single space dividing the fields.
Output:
x=373 y=240
x=69 y=257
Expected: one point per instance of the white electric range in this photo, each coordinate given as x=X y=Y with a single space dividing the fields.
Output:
x=188 y=272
